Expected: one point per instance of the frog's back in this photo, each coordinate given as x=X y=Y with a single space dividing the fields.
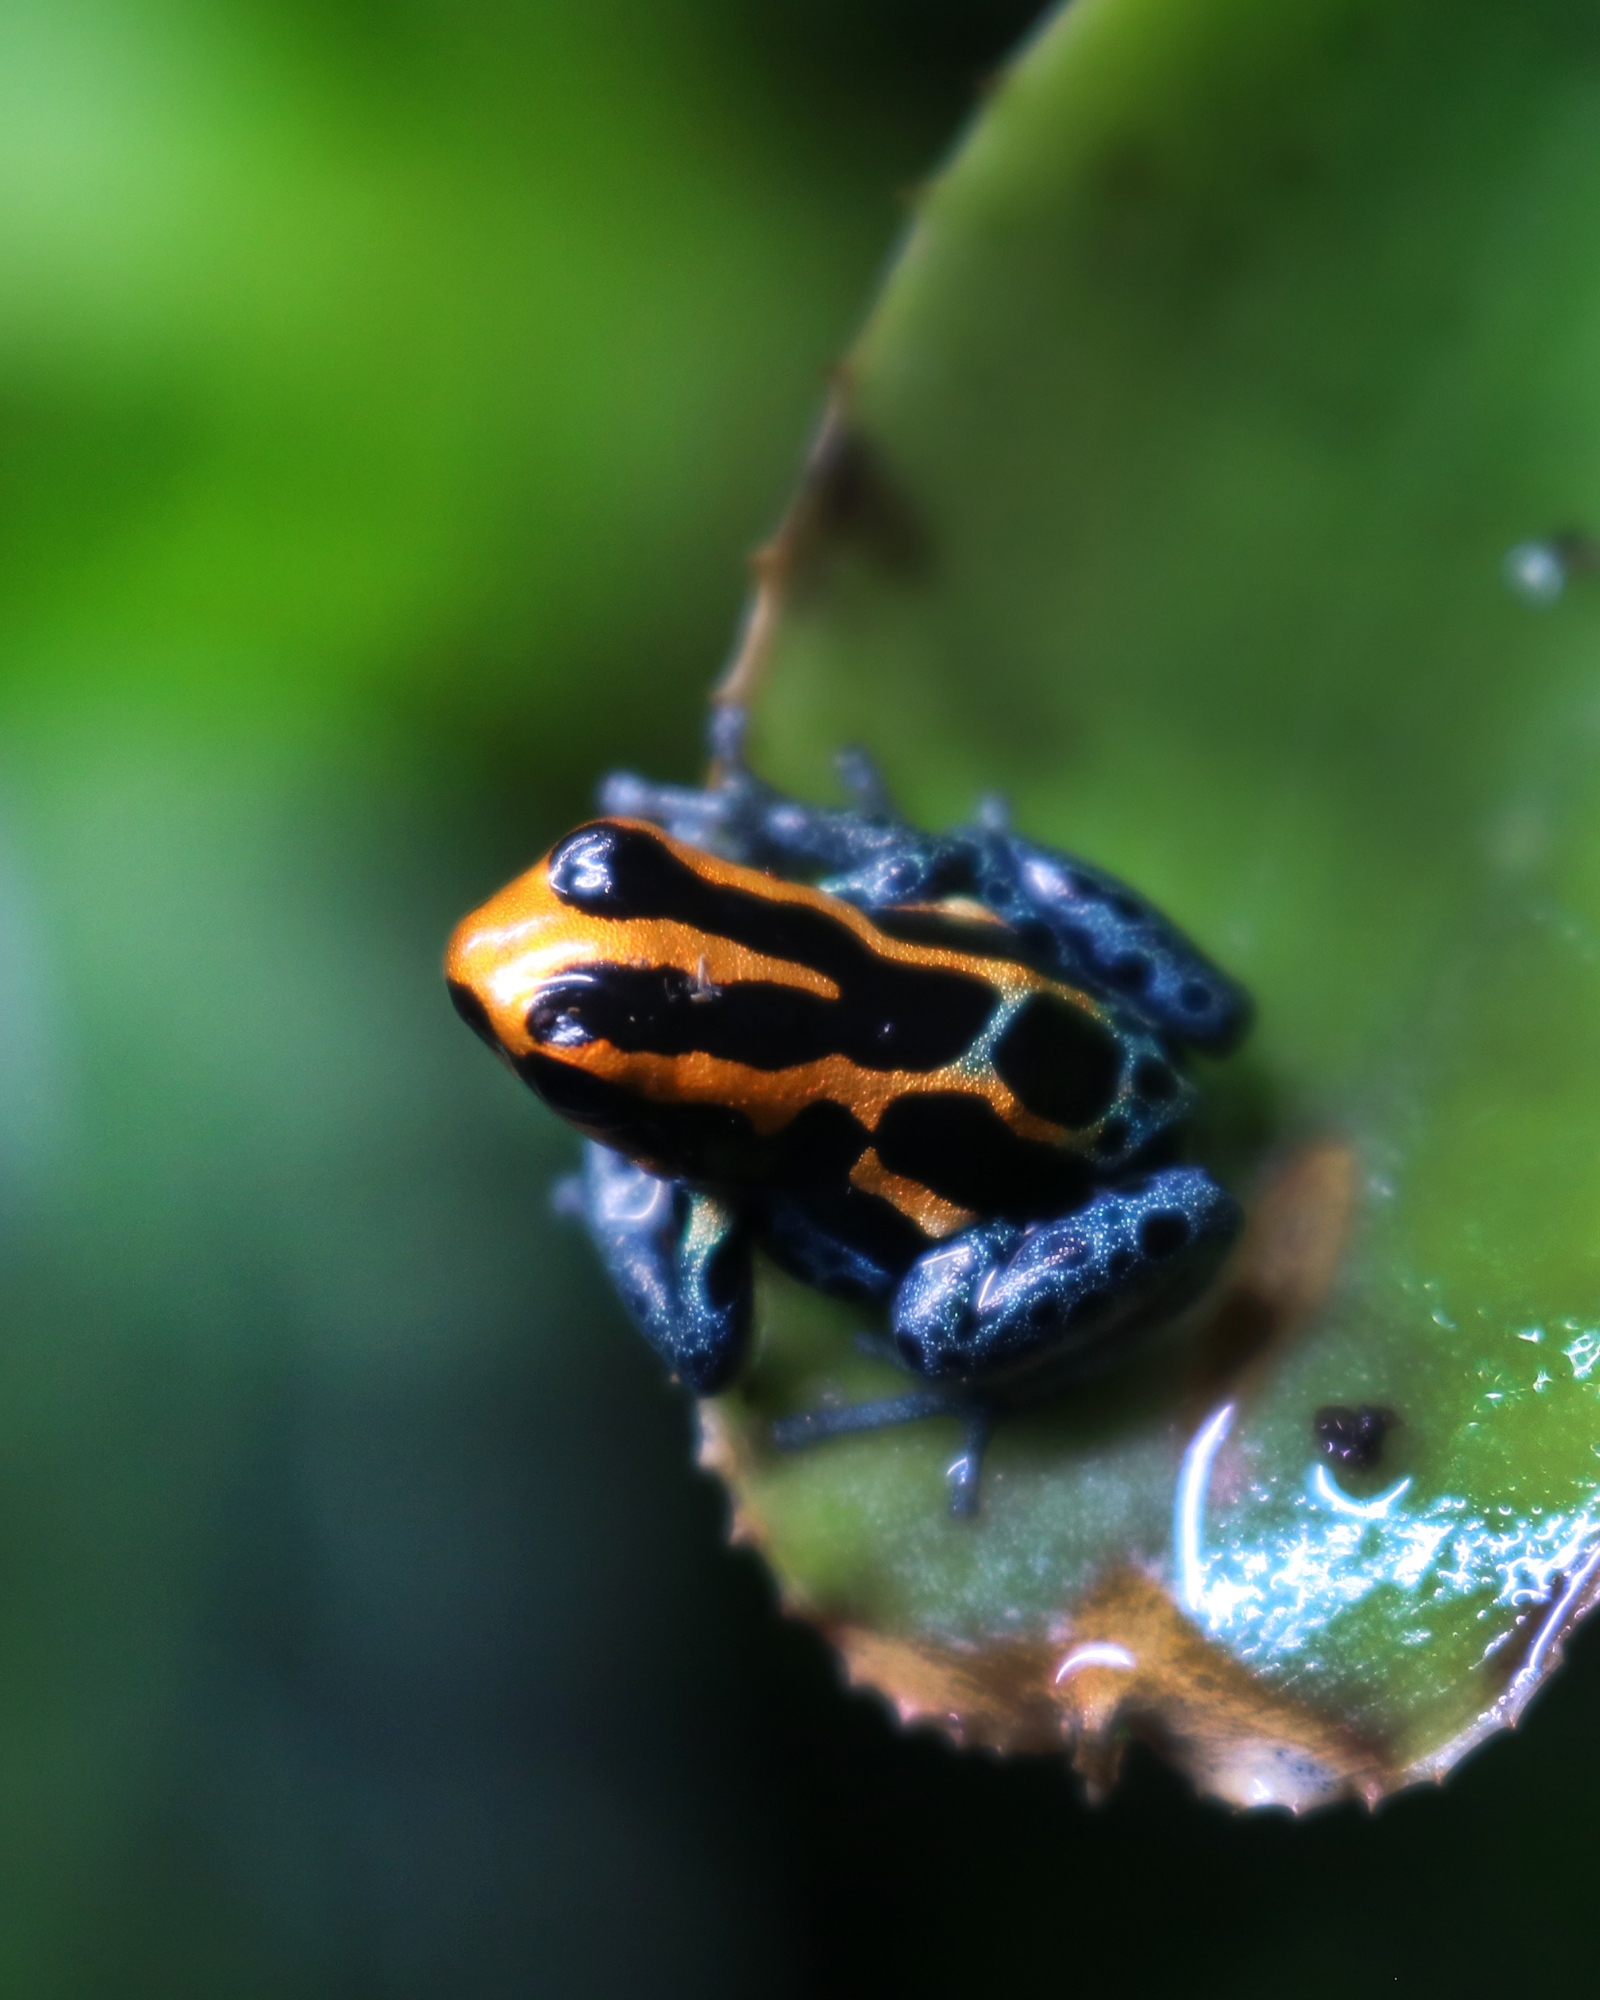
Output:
x=735 y=1029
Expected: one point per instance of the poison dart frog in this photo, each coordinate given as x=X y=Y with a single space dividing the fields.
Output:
x=941 y=1073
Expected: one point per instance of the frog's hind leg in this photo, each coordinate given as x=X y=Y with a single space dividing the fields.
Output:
x=1099 y=930
x=963 y=1475
x=680 y=1260
x=1024 y=1310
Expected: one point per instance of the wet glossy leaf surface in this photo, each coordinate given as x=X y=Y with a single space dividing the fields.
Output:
x=1227 y=380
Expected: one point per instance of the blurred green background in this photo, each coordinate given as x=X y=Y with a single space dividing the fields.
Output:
x=389 y=392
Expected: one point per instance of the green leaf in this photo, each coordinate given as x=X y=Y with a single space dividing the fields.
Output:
x=1221 y=375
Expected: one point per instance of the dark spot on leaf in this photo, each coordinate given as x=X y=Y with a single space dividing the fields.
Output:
x=851 y=500
x=1353 y=1438
x=1128 y=173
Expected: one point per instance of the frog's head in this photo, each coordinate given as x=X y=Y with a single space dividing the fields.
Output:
x=528 y=941
x=605 y=976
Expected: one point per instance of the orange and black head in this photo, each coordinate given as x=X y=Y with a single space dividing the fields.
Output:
x=654 y=995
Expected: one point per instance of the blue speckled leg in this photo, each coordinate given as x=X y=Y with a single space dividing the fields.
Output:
x=680 y=1260
x=1000 y=1300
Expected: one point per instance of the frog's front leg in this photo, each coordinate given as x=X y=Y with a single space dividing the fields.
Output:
x=680 y=1260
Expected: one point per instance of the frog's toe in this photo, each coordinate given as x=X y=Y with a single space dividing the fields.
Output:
x=866 y=785
x=727 y=733
x=964 y=1474
x=567 y=1198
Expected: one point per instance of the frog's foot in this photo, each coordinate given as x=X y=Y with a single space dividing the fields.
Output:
x=963 y=1475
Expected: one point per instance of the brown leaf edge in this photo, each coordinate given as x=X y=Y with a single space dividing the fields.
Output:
x=1132 y=1668
x=1124 y=1663
x=848 y=498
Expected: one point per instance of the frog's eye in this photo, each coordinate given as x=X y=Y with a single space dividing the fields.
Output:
x=615 y=871
x=563 y=1015
x=583 y=868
